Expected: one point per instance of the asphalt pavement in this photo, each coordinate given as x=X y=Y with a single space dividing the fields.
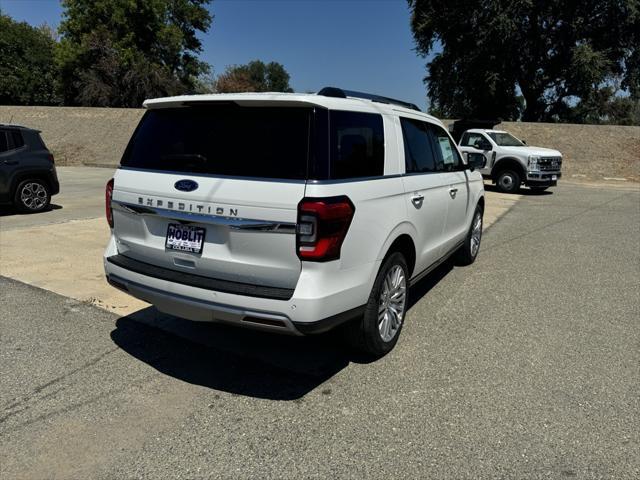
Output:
x=523 y=365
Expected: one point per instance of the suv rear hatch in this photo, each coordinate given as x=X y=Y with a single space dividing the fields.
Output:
x=213 y=190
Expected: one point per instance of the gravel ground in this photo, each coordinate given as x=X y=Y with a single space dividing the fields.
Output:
x=524 y=365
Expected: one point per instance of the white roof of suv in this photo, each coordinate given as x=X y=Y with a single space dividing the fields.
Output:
x=329 y=102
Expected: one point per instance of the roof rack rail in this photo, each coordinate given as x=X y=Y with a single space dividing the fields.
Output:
x=340 y=93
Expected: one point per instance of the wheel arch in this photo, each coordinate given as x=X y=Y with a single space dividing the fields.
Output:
x=401 y=240
x=22 y=176
x=508 y=163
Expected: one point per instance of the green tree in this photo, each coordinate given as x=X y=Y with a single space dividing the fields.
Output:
x=255 y=76
x=556 y=53
x=119 y=52
x=27 y=67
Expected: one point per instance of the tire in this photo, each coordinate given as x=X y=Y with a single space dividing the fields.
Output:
x=377 y=332
x=538 y=189
x=468 y=252
x=32 y=196
x=508 y=181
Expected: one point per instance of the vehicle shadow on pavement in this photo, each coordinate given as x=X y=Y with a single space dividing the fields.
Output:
x=423 y=287
x=7 y=210
x=522 y=191
x=239 y=361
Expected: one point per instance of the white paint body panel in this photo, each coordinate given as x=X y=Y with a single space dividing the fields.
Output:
x=383 y=211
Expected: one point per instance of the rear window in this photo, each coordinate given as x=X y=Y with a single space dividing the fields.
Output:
x=262 y=142
x=356 y=145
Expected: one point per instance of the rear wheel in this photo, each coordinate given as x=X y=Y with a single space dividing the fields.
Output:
x=508 y=181
x=32 y=196
x=468 y=252
x=377 y=332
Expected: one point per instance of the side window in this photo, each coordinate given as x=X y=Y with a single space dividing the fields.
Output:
x=4 y=144
x=470 y=139
x=356 y=144
x=418 y=152
x=448 y=157
x=18 y=141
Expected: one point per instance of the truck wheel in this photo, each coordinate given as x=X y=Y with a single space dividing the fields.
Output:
x=508 y=181
x=32 y=196
x=468 y=252
x=377 y=332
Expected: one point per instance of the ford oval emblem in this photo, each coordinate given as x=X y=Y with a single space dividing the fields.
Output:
x=186 y=185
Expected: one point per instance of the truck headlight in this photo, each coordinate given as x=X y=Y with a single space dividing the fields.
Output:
x=533 y=163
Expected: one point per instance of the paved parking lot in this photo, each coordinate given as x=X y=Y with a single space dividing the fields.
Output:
x=524 y=365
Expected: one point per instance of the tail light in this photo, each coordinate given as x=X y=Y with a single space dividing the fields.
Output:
x=51 y=159
x=322 y=226
x=108 y=195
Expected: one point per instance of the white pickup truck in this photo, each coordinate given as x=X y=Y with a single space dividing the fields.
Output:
x=510 y=162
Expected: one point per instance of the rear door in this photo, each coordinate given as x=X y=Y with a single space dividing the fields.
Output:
x=426 y=192
x=214 y=191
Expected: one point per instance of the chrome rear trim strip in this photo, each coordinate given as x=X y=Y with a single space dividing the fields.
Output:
x=190 y=217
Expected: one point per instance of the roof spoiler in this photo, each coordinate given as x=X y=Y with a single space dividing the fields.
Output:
x=340 y=93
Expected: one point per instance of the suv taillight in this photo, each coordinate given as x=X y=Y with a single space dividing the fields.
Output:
x=108 y=195
x=322 y=227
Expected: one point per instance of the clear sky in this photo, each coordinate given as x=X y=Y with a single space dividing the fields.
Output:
x=361 y=45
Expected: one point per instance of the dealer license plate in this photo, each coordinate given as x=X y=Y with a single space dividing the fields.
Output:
x=185 y=238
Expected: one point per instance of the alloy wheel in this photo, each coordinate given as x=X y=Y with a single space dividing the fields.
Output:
x=33 y=196
x=392 y=303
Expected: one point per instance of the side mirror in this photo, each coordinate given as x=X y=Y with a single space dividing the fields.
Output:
x=476 y=160
x=485 y=146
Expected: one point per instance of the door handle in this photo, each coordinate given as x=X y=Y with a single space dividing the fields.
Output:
x=10 y=162
x=417 y=199
x=453 y=192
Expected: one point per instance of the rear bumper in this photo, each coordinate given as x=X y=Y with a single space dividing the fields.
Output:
x=321 y=301
x=53 y=181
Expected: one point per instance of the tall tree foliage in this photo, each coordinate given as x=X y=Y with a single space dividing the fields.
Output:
x=27 y=67
x=119 y=52
x=255 y=76
x=562 y=56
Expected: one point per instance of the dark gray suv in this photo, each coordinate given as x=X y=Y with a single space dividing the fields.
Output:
x=28 y=176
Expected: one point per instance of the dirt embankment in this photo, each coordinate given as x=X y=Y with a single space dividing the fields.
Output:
x=98 y=136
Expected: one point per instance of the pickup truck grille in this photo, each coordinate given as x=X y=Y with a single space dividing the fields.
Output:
x=550 y=164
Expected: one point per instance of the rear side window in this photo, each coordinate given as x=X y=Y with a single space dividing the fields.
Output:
x=418 y=151
x=17 y=139
x=356 y=145
x=470 y=139
x=262 y=142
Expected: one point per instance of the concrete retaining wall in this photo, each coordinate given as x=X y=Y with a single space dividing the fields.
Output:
x=98 y=136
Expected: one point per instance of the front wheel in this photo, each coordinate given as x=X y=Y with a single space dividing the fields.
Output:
x=32 y=196
x=377 y=332
x=468 y=252
x=508 y=181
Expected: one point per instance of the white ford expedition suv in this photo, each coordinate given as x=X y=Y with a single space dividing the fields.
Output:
x=289 y=212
